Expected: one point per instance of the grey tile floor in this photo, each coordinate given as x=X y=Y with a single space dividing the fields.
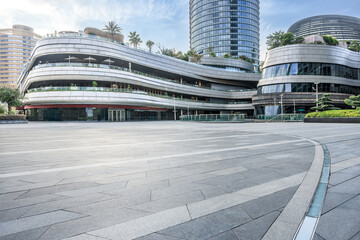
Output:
x=168 y=180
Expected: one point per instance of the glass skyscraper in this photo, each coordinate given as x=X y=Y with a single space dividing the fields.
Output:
x=228 y=26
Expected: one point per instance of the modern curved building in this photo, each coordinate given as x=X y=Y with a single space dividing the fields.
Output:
x=16 y=44
x=290 y=79
x=229 y=26
x=86 y=77
x=344 y=28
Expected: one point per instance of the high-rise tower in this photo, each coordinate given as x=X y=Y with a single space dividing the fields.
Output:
x=16 y=44
x=227 y=26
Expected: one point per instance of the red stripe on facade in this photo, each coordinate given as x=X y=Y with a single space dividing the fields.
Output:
x=91 y=106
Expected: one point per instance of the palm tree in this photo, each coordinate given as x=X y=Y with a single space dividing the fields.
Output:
x=113 y=29
x=150 y=44
x=134 y=39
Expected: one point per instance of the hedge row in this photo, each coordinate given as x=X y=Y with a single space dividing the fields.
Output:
x=335 y=114
x=12 y=117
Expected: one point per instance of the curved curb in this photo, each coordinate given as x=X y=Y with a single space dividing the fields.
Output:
x=287 y=224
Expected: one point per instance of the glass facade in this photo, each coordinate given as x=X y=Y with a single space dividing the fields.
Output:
x=228 y=26
x=321 y=69
x=343 y=28
x=308 y=87
x=94 y=114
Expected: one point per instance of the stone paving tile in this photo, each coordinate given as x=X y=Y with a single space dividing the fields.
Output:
x=84 y=237
x=11 y=196
x=27 y=186
x=87 y=224
x=102 y=207
x=14 y=213
x=350 y=187
x=56 y=189
x=334 y=199
x=353 y=203
x=157 y=236
x=317 y=237
x=32 y=234
x=67 y=203
x=138 y=189
x=170 y=202
x=256 y=229
x=4 y=205
x=340 y=223
x=93 y=189
x=340 y=177
x=356 y=237
x=269 y=203
x=28 y=223
x=209 y=225
x=176 y=190
x=228 y=235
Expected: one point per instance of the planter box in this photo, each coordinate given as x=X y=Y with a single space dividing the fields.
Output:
x=332 y=120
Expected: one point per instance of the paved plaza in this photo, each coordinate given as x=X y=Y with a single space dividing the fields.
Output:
x=175 y=180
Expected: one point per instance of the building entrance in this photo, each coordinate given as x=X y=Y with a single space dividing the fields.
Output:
x=116 y=115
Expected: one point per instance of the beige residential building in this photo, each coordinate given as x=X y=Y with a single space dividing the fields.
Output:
x=16 y=44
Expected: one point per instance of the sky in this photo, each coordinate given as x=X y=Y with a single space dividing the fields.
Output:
x=166 y=22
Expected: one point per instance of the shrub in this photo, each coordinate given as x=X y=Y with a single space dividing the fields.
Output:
x=12 y=117
x=330 y=40
x=335 y=114
x=353 y=101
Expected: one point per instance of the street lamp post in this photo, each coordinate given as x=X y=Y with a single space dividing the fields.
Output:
x=281 y=102
x=294 y=107
x=317 y=95
x=174 y=110
x=274 y=98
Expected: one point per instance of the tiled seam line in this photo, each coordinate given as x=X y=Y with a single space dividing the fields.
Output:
x=287 y=223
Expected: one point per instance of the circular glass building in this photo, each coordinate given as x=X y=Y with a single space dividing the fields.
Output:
x=228 y=26
x=343 y=28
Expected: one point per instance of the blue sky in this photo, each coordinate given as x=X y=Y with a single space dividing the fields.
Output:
x=166 y=22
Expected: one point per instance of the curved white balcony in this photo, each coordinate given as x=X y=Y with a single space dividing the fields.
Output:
x=92 y=72
x=124 y=98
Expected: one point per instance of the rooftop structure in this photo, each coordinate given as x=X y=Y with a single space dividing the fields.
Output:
x=344 y=28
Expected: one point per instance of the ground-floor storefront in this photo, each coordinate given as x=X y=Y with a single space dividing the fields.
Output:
x=95 y=113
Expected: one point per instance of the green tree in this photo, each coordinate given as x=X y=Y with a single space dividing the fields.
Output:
x=354 y=46
x=134 y=39
x=94 y=84
x=353 y=101
x=299 y=40
x=330 y=40
x=287 y=39
x=210 y=52
x=10 y=96
x=194 y=56
x=113 y=29
x=150 y=44
x=324 y=103
x=274 y=40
